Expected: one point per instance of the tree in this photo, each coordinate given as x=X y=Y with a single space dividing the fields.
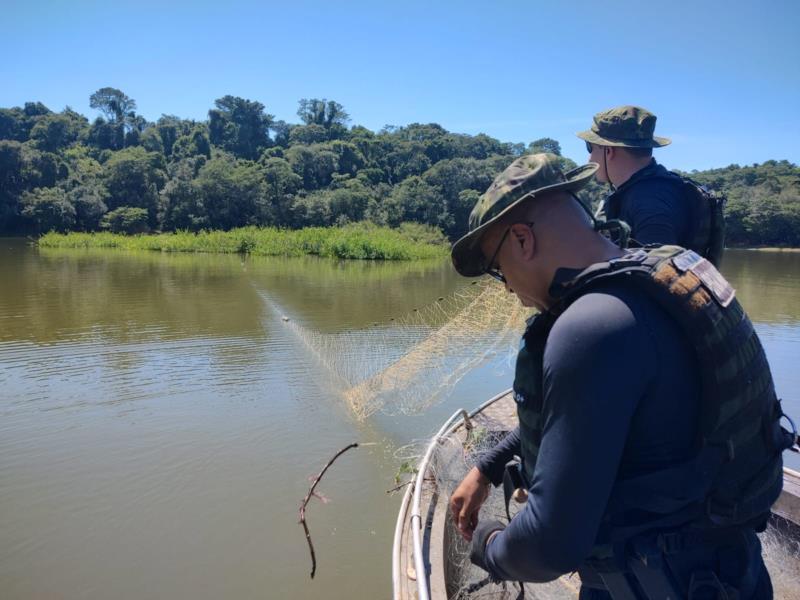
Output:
x=239 y=126
x=54 y=132
x=194 y=143
x=182 y=206
x=312 y=210
x=545 y=144
x=41 y=169
x=406 y=159
x=415 y=200
x=281 y=131
x=114 y=104
x=281 y=186
x=349 y=159
x=105 y=135
x=11 y=181
x=126 y=219
x=232 y=193
x=315 y=164
x=133 y=178
x=307 y=134
x=170 y=128
x=349 y=203
x=48 y=209
x=89 y=203
x=12 y=124
x=150 y=140
x=322 y=112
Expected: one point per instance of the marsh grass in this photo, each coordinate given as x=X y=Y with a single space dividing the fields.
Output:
x=363 y=241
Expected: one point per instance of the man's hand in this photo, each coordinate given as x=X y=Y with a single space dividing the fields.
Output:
x=467 y=500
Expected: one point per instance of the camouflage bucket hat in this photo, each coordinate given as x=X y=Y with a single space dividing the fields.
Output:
x=526 y=178
x=625 y=126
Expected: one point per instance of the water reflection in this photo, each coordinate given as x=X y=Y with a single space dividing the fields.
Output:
x=159 y=420
x=767 y=284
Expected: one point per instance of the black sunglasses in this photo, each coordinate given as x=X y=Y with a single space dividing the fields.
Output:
x=589 y=147
x=491 y=269
x=495 y=271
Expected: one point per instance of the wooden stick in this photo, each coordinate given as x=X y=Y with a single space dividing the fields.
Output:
x=308 y=497
x=397 y=487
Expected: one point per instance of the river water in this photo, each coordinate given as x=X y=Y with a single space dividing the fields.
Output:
x=161 y=416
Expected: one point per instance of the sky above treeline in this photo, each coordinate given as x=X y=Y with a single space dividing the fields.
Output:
x=722 y=76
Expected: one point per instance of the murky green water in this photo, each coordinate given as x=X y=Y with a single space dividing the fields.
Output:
x=160 y=419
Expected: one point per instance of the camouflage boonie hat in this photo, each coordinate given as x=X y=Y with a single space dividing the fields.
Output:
x=526 y=178
x=625 y=126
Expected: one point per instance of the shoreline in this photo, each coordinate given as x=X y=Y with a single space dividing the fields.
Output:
x=358 y=241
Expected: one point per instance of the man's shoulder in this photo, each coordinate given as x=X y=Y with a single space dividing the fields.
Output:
x=606 y=325
x=654 y=179
x=607 y=309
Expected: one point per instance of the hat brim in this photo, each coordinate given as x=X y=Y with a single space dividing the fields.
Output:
x=591 y=137
x=466 y=253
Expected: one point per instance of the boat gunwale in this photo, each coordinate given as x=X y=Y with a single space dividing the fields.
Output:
x=415 y=492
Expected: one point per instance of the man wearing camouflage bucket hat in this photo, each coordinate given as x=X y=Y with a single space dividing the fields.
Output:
x=661 y=207
x=609 y=389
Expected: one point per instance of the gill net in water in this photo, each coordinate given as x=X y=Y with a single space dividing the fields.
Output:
x=409 y=363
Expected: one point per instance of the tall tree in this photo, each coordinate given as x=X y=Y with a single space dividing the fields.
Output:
x=239 y=126
x=114 y=104
x=322 y=112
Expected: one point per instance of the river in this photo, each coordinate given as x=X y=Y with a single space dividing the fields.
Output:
x=161 y=417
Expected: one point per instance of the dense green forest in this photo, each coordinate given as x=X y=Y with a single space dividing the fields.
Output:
x=242 y=167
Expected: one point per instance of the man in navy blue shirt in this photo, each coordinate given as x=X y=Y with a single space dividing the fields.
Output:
x=609 y=393
x=648 y=197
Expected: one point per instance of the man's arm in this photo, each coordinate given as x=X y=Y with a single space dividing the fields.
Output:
x=492 y=463
x=598 y=362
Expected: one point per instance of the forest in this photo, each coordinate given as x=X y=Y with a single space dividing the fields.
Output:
x=241 y=167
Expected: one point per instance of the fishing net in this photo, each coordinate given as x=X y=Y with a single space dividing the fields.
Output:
x=409 y=363
x=455 y=455
x=781 y=549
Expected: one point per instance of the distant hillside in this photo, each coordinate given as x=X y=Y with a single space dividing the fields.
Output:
x=240 y=167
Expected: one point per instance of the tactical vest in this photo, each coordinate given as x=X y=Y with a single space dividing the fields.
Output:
x=707 y=237
x=735 y=474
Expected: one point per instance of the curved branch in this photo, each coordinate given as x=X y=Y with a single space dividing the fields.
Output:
x=304 y=503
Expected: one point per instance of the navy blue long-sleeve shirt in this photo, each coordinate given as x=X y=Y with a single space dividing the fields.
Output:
x=655 y=206
x=620 y=398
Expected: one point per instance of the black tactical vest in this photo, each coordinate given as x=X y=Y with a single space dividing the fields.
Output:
x=736 y=473
x=707 y=237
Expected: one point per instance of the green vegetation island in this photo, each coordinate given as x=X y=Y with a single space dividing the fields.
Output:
x=363 y=241
x=242 y=181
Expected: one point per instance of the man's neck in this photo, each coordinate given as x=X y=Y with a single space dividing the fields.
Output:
x=630 y=169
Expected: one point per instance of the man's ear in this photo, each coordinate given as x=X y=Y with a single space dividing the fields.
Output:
x=610 y=151
x=524 y=240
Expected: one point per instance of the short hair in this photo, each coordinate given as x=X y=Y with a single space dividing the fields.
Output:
x=639 y=152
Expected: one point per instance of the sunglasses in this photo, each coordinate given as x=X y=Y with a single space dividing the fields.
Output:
x=491 y=269
x=495 y=271
x=589 y=147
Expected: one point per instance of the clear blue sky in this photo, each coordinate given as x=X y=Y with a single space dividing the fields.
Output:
x=722 y=76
